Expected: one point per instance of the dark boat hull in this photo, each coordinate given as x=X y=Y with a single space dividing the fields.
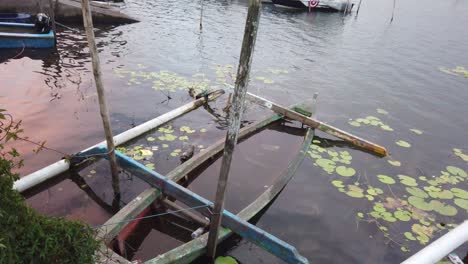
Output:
x=289 y=3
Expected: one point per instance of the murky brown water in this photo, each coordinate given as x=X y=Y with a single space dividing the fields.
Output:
x=356 y=64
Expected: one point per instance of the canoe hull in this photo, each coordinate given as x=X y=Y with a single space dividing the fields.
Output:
x=19 y=35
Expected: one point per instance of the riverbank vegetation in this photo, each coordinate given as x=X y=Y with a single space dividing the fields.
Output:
x=27 y=236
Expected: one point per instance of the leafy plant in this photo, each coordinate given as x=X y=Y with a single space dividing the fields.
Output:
x=27 y=236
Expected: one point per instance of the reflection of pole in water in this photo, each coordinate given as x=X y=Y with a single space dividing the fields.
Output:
x=201 y=14
x=88 y=23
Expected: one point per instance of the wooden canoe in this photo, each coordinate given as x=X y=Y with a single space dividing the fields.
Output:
x=196 y=248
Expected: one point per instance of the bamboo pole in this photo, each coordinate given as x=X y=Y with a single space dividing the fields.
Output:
x=52 y=17
x=88 y=23
x=314 y=123
x=245 y=61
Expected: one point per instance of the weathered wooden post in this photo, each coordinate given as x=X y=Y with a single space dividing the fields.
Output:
x=52 y=17
x=245 y=61
x=88 y=23
x=201 y=15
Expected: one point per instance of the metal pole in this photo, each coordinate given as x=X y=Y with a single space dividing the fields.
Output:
x=440 y=248
x=245 y=61
x=88 y=23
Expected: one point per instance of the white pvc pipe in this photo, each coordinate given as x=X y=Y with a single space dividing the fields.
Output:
x=440 y=248
x=61 y=166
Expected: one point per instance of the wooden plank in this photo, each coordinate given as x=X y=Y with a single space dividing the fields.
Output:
x=188 y=252
x=314 y=123
x=248 y=231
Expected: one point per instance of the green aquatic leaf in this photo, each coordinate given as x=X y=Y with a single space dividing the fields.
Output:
x=369 y=197
x=443 y=209
x=462 y=203
x=407 y=180
x=386 y=179
x=409 y=236
x=326 y=163
x=146 y=152
x=203 y=130
x=345 y=172
x=460 y=193
x=150 y=166
x=386 y=128
x=165 y=145
x=456 y=171
x=417 y=192
x=382 y=111
x=402 y=215
x=403 y=144
x=394 y=163
x=444 y=194
x=338 y=184
x=360 y=215
x=355 y=191
x=416 y=131
x=355 y=124
x=225 y=260
x=419 y=203
x=183 y=138
x=150 y=139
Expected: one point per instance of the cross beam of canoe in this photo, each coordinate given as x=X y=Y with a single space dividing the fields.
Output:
x=314 y=123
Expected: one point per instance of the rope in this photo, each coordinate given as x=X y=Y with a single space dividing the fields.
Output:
x=151 y=216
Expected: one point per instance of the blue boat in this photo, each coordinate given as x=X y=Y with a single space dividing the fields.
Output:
x=16 y=17
x=22 y=35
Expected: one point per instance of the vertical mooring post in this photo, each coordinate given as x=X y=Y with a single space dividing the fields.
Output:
x=88 y=23
x=52 y=17
x=359 y=7
x=201 y=14
x=237 y=108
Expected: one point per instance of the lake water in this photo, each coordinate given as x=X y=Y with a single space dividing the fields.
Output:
x=357 y=64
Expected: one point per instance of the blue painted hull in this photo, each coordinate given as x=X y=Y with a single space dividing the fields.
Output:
x=23 y=36
x=16 y=17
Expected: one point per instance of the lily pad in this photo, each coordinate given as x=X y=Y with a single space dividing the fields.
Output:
x=402 y=215
x=417 y=192
x=419 y=203
x=360 y=215
x=183 y=138
x=150 y=139
x=416 y=131
x=386 y=128
x=386 y=179
x=165 y=145
x=407 y=180
x=462 y=203
x=456 y=171
x=355 y=191
x=225 y=260
x=150 y=166
x=443 y=209
x=203 y=130
x=355 y=123
x=382 y=111
x=459 y=193
x=394 y=163
x=403 y=144
x=326 y=164
x=345 y=172
x=444 y=194
x=146 y=152
x=338 y=184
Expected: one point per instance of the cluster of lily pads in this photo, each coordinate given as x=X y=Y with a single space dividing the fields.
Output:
x=161 y=141
x=330 y=160
x=458 y=71
x=199 y=82
x=371 y=121
x=407 y=209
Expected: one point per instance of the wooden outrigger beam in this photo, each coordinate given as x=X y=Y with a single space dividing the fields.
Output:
x=63 y=165
x=314 y=123
x=248 y=231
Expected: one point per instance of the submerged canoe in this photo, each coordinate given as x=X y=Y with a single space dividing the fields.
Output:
x=197 y=247
x=21 y=35
x=16 y=17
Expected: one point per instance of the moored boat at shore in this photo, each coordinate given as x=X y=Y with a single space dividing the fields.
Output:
x=326 y=5
x=23 y=35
